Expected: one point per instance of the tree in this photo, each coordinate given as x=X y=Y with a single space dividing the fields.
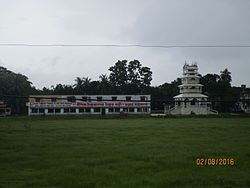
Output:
x=15 y=84
x=78 y=86
x=218 y=88
x=60 y=89
x=146 y=76
x=82 y=85
x=86 y=81
x=104 y=86
x=119 y=76
x=134 y=68
x=210 y=84
x=226 y=77
x=130 y=78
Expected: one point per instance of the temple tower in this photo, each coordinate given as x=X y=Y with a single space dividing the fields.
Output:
x=191 y=100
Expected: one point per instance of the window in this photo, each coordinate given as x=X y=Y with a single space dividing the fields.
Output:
x=88 y=109
x=128 y=98
x=99 y=98
x=53 y=99
x=193 y=102
x=185 y=102
x=143 y=98
x=117 y=109
x=72 y=110
x=114 y=98
x=34 y=110
x=50 y=110
x=97 y=109
x=84 y=98
x=37 y=99
x=125 y=109
x=131 y=110
x=41 y=110
x=111 y=109
x=71 y=99
x=139 y=109
x=81 y=110
x=66 y=110
x=57 y=110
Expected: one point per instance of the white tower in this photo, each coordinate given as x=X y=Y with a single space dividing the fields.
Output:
x=190 y=100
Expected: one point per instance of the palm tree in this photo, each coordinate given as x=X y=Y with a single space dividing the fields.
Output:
x=104 y=84
x=78 y=85
x=86 y=81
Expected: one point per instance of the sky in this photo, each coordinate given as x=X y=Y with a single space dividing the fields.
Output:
x=146 y=22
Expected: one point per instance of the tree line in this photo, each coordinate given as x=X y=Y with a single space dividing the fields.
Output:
x=125 y=77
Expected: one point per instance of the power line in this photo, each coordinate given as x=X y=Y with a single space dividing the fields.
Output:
x=121 y=45
x=72 y=97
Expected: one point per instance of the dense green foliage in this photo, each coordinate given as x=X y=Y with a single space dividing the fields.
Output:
x=124 y=78
x=71 y=153
x=15 y=84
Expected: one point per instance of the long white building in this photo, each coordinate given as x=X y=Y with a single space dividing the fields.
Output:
x=88 y=104
x=191 y=100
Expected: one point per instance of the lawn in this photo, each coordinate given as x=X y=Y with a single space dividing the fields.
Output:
x=144 y=152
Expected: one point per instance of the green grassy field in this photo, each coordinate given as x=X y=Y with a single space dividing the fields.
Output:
x=149 y=152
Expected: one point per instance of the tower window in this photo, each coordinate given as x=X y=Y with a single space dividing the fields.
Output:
x=193 y=102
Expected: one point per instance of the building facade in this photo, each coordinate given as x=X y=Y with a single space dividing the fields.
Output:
x=88 y=104
x=190 y=100
x=5 y=110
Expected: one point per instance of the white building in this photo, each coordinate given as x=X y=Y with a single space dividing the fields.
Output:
x=5 y=109
x=190 y=100
x=88 y=104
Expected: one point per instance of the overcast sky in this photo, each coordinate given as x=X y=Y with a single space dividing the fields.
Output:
x=148 y=22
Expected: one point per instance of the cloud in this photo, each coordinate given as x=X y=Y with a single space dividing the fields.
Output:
x=149 y=22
